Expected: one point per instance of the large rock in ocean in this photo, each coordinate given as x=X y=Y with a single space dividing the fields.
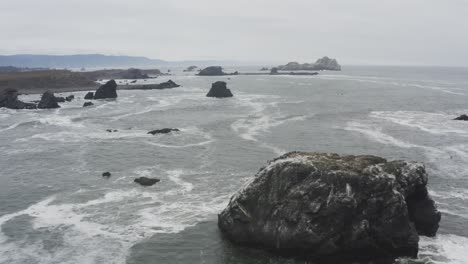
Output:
x=462 y=118
x=89 y=96
x=326 y=206
x=48 y=100
x=212 y=71
x=219 y=90
x=106 y=91
x=322 y=64
x=9 y=99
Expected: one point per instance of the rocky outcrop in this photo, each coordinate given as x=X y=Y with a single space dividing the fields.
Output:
x=69 y=98
x=107 y=91
x=190 y=68
x=165 y=85
x=322 y=64
x=462 y=118
x=89 y=96
x=219 y=90
x=212 y=71
x=9 y=99
x=325 y=206
x=163 y=131
x=48 y=100
x=144 y=181
x=86 y=104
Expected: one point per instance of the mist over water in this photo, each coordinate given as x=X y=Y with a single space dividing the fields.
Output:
x=56 y=208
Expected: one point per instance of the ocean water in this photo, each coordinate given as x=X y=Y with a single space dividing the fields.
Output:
x=56 y=208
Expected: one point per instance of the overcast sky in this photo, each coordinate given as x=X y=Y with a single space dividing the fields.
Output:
x=406 y=32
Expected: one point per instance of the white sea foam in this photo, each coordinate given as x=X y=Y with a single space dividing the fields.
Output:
x=434 y=123
x=176 y=177
x=449 y=160
x=450 y=249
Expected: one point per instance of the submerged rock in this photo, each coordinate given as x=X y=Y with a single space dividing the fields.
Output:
x=219 y=90
x=89 y=96
x=146 y=181
x=107 y=91
x=163 y=131
x=106 y=174
x=190 y=68
x=48 y=100
x=86 y=104
x=325 y=206
x=9 y=99
x=212 y=71
x=462 y=118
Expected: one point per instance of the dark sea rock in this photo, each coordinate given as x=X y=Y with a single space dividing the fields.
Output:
x=324 y=63
x=111 y=130
x=212 y=71
x=9 y=99
x=165 y=85
x=86 y=104
x=89 y=96
x=325 y=206
x=219 y=90
x=146 y=181
x=462 y=118
x=69 y=98
x=190 y=68
x=48 y=100
x=163 y=131
x=106 y=174
x=60 y=99
x=264 y=69
x=107 y=91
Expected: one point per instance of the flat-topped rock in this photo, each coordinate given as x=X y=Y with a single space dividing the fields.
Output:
x=163 y=131
x=327 y=206
x=212 y=71
x=219 y=90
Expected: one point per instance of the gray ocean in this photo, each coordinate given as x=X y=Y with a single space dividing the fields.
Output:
x=56 y=208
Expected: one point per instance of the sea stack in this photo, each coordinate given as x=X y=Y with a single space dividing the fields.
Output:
x=219 y=90
x=107 y=91
x=48 y=100
x=212 y=71
x=326 y=206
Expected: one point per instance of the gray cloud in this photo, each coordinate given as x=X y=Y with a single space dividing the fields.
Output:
x=417 y=32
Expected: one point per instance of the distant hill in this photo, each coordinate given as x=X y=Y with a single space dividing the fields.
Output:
x=77 y=61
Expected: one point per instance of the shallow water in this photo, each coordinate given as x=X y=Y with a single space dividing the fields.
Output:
x=56 y=208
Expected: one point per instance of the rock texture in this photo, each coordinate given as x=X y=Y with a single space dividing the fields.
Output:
x=48 y=100
x=163 y=131
x=324 y=63
x=107 y=91
x=146 y=181
x=69 y=98
x=326 y=206
x=212 y=71
x=165 y=85
x=462 y=118
x=86 y=104
x=219 y=90
x=9 y=99
x=89 y=96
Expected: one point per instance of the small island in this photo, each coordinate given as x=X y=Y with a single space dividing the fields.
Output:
x=323 y=64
